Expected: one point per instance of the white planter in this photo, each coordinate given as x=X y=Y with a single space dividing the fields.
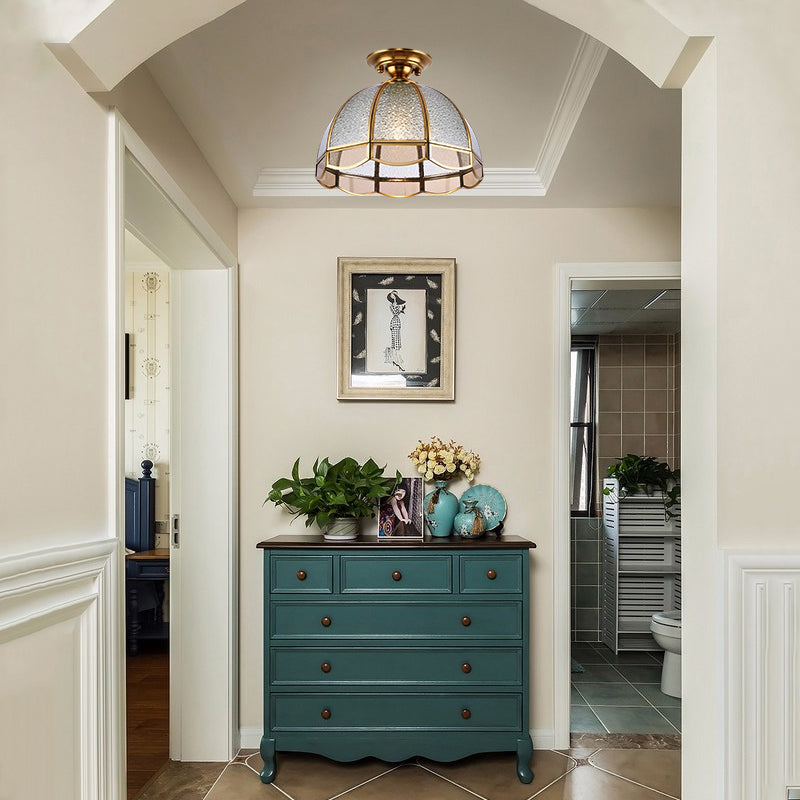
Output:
x=341 y=529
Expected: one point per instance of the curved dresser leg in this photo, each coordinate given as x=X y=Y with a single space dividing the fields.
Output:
x=524 y=754
x=268 y=755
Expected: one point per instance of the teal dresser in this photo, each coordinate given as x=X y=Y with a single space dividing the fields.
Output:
x=396 y=650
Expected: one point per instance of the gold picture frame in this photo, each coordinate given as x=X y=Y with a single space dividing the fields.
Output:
x=396 y=328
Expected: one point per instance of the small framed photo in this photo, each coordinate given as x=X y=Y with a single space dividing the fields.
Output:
x=401 y=515
x=396 y=328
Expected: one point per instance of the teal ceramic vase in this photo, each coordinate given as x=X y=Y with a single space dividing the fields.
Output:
x=469 y=524
x=441 y=508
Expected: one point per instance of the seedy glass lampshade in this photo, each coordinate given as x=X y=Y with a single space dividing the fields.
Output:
x=399 y=138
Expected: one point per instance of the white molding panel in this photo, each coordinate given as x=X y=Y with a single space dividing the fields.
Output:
x=44 y=588
x=498 y=181
x=763 y=671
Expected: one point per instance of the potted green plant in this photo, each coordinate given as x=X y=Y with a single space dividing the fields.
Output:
x=637 y=474
x=334 y=496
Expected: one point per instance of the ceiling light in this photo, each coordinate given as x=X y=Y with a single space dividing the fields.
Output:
x=399 y=138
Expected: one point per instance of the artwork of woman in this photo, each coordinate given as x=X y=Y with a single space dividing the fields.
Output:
x=392 y=353
x=394 y=515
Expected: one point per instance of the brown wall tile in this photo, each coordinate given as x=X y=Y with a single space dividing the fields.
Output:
x=656 y=422
x=655 y=400
x=633 y=444
x=655 y=355
x=632 y=354
x=656 y=446
x=632 y=400
x=609 y=400
x=609 y=423
x=608 y=446
x=656 y=377
x=609 y=378
x=609 y=355
x=633 y=377
x=633 y=424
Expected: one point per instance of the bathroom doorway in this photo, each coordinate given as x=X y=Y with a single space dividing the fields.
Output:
x=619 y=394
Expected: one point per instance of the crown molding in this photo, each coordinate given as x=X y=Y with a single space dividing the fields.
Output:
x=499 y=181
x=578 y=84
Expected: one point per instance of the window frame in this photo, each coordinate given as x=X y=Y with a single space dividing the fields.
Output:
x=586 y=343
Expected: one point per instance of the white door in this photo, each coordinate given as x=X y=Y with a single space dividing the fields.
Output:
x=203 y=724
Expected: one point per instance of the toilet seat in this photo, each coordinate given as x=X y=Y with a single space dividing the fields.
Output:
x=671 y=619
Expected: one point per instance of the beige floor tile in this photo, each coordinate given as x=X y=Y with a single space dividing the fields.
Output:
x=309 y=777
x=182 y=780
x=407 y=782
x=238 y=782
x=658 y=769
x=494 y=775
x=588 y=783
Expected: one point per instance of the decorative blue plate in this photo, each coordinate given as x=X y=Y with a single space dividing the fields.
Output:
x=490 y=503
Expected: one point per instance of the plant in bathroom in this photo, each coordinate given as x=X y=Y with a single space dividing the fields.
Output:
x=637 y=474
x=333 y=491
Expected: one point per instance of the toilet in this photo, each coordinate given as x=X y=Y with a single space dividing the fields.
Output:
x=666 y=629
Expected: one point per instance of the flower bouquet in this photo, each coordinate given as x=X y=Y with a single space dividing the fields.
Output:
x=440 y=462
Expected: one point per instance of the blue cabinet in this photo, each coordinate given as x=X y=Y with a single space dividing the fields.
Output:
x=394 y=651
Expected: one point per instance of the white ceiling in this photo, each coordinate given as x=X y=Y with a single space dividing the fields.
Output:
x=257 y=87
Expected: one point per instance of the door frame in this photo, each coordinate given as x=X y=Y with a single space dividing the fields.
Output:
x=565 y=275
x=123 y=139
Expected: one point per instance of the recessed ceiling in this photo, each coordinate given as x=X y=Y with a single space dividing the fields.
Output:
x=257 y=87
x=625 y=311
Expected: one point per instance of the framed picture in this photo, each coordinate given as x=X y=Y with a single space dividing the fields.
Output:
x=401 y=515
x=396 y=328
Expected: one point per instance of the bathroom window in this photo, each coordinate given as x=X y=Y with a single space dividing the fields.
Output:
x=582 y=426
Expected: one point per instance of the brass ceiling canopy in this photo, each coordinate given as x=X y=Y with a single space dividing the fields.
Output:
x=399 y=138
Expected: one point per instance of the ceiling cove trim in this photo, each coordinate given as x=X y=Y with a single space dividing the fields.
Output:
x=500 y=181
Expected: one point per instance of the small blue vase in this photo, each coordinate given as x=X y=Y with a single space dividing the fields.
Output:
x=441 y=508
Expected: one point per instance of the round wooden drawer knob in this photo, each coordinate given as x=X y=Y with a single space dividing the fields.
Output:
x=466 y=621
x=491 y=574
x=326 y=622
x=326 y=713
x=466 y=668
x=397 y=575
x=301 y=575
x=326 y=667
x=466 y=713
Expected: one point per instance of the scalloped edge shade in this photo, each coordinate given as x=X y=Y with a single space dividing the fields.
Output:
x=437 y=162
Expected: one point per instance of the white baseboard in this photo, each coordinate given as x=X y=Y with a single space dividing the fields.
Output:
x=543 y=739
x=250 y=738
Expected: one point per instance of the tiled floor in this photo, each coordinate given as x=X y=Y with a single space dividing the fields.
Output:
x=584 y=774
x=620 y=693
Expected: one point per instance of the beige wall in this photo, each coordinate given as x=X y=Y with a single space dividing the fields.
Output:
x=504 y=367
x=144 y=106
x=53 y=281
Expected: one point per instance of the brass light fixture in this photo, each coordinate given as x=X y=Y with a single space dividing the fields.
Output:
x=399 y=138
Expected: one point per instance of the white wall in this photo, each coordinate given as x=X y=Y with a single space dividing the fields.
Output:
x=504 y=367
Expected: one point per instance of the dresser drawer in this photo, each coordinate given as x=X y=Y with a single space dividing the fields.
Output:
x=419 y=665
x=153 y=569
x=490 y=574
x=292 y=574
x=396 y=573
x=399 y=711
x=396 y=620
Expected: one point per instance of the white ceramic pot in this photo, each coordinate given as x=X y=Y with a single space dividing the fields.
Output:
x=341 y=529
